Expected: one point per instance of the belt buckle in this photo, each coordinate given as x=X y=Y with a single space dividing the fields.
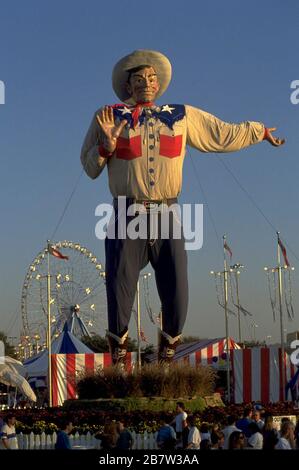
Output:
x=151 y=206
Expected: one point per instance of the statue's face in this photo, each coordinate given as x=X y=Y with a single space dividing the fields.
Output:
x=143 y=85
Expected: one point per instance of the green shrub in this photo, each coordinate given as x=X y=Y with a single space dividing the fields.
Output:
x=180 y=381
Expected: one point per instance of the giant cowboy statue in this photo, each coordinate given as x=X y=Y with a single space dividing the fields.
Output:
x=143 y=146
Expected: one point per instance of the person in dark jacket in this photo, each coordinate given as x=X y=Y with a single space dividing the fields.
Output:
x=125 y=439
x=63 y=440
x=245 y=421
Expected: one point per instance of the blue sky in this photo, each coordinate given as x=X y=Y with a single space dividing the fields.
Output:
x=233 y=59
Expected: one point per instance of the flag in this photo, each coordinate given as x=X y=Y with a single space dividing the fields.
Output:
x=227 y=248
x=291 y=385
x=53 y=251
x=284 y=252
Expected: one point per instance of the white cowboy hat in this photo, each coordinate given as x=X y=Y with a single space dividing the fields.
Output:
x=137 y=58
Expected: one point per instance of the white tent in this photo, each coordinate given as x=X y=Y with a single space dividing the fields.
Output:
x=15 y=365
x=11 y=374
x=66 y=343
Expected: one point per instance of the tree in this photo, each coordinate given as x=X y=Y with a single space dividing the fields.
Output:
x=132 y=345
x=147 y=351
x=9 y=349
x=254 y=344
x=190 y=339
x=98 y=344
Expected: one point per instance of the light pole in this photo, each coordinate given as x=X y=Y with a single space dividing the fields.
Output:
x=224 y=273
x=49 y=339
x=27 y=347
x=253 y=334
x=279 y=270
x=143 y=276
x=235 y=269
x=267 y=338
x=21 y=352
x=37 y=338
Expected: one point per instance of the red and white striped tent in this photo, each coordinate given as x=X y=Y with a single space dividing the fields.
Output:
x=204 y=352
x=67 y=367
x=257 y=374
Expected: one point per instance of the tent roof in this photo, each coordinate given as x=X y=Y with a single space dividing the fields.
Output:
x=66 y=343
x=183 y=350
x=188 y=348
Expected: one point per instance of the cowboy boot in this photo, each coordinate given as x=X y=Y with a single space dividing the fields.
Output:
x=167 y=347
x=118 y=348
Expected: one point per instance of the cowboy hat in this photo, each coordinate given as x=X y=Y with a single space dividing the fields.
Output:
x=137 y=58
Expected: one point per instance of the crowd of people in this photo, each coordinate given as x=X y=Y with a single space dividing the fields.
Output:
x=115 y=435
x=254 y=430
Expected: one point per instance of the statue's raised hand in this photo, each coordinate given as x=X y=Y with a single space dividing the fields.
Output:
x=110 y=130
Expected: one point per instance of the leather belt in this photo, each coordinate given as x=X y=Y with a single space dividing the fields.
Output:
x=148 y=203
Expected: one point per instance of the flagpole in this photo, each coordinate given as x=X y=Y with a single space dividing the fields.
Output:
x=279 y=268
x=138 y=326
x=226 y=321
x=160 y=328
x=49 y=329
x=238 y=303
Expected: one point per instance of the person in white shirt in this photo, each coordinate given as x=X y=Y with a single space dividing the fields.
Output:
x=287 y=437
x=180 y=421
x=205 y=432
x=256 y=440
x=194 y=434
x=9 y=439
x=231 y=427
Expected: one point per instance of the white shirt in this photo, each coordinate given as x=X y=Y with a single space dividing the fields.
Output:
x=154 y=145
x=9 y=435
x=205 y=435
x=283 y=443
x=256 y=440
x=179 y=421
x=194 y=438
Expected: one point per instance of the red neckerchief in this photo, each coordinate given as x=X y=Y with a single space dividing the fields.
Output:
x=137 y=109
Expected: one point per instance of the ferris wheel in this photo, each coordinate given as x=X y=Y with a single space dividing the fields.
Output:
x=77 y=294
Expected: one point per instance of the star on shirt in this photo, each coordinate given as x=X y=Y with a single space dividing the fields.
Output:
x=167 y=108
x=125 y=111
